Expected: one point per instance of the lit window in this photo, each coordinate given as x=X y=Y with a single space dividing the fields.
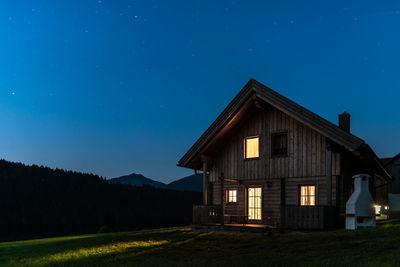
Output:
x=254 y=200
x=279 y=144
x=378 y=209
x=232 y=196
x=251 y=147
x=307 y=195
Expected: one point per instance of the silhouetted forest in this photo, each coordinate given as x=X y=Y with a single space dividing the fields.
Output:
x=39 y=201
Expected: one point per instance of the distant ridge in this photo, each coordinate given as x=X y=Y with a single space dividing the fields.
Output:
x=136 y=180
x=191 y=183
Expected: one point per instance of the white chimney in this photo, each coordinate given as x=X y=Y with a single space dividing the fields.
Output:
x=360 y=211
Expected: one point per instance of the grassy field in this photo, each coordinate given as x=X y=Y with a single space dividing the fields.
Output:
x=378 y=246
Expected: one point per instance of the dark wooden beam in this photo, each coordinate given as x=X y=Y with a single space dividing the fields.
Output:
x=260 y=104
x=205 y=184
x=222 y=197
x=231 y=180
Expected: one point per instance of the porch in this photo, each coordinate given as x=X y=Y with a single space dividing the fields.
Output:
x=292 y=217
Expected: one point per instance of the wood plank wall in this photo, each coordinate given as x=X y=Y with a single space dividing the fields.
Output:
x=237 y=208
x=292 y=187
x=306 y=151
x=270 y=199
x=271 y=202
x=394 y=170
x=305 y=164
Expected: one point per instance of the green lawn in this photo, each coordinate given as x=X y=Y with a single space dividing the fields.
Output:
x=373 y=247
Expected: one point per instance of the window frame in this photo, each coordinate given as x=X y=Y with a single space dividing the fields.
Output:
x=247 y=204
x=227 y=196
x=315 y=195
x=273 y=135
x=245 y=147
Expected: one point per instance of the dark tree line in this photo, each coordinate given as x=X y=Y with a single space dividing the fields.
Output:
x=39 y=201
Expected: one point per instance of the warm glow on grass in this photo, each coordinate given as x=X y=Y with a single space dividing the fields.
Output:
x=79 y=254
x=181 y=248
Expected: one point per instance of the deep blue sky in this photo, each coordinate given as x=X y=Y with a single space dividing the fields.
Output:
x=115 y=87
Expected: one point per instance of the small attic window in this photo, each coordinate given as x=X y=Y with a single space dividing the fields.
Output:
x=279 y=144
x=251 y=147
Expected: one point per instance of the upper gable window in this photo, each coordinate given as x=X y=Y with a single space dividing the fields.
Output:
x=279 y=144
x=251 y=147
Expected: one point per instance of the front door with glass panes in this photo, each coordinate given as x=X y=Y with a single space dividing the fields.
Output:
x=254 y=203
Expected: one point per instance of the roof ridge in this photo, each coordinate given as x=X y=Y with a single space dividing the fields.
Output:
x=264 y=87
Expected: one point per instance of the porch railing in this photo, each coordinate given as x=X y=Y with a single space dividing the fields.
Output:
x=308 y=217
x=207 y=214
x=293 y=217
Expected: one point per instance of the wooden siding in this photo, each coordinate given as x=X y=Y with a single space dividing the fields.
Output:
x=312 y=217
x=271 y=197
x=215 y=193
x=305 y=163
x=238 y=208
x=306 y=151
x=271 y=207
x=292 y=189
x=394 y=170
x=278 y=211
x=270 y=200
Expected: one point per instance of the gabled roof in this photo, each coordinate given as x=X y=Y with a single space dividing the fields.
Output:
x=254 y=89
x=326 y=128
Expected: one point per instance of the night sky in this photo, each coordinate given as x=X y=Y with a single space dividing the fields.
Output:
x=115 y=87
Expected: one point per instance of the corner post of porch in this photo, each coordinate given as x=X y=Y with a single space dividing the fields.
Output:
x=206 y=165
x=221 y=178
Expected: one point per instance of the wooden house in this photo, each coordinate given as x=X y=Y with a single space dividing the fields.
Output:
x=393 y=167
x=393 y=188
x=269 y=162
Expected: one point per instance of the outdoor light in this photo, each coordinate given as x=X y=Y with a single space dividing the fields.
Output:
x=378 y=209
x=386 y=207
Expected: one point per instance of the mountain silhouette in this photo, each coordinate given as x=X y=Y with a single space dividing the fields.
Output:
x=192 y=183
